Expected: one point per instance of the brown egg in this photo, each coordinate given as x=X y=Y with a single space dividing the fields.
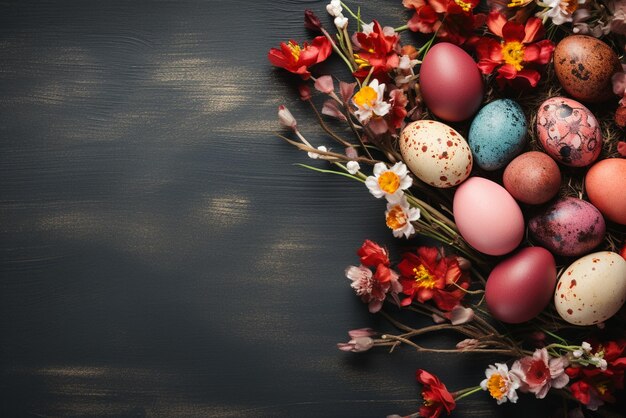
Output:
x=584 y=66
x=604 y=184
x=532 y=177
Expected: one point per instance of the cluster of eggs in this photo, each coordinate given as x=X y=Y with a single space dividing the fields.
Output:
x=488 y=215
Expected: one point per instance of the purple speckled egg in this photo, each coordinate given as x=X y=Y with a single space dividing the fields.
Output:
x=569 y=132
x=569 y=227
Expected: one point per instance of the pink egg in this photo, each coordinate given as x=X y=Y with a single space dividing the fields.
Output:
x=450 y=82
x=520 y=287
x=487 y=216
x=569 y=132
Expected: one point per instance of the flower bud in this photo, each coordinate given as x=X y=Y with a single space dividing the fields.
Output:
x=311 y=21
x=286 y=118
x=341 y=22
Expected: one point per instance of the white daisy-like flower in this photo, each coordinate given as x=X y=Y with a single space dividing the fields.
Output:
x=334 y=8
x=315 y=155
x=389 y=182
x=369 y=102
x=559 y=11
x=399 y=217
x=501 y=384
x=353 y=167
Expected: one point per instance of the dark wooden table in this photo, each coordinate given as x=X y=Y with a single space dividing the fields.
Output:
x=160 y=254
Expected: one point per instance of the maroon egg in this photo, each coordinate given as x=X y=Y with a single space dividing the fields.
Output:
x=569 y=227
x=520 y=287
x=532 y=178
x=450 y=83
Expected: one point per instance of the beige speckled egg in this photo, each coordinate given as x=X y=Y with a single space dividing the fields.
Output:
x=584 y=66
x=592 y=289
x=437 y=154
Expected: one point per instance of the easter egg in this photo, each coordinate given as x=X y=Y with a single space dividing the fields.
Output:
x=592 y=289
x=532 y=177
x=487 y=216
x=497 y=134
x=437 y=154
x=569 y=132
x=569 y=227
x=584 y=66
x=521 y=286
x=450 y=82
x=605 y=184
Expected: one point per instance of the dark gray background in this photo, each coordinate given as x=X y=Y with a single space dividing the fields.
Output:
x=160 y=253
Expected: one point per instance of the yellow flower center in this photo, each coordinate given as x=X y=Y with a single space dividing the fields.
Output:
x=513 y=53
x=465 y=6
x=295 y=50
x=518 y=3
x=366 y=97
x=361 y=62
x=497 y=386
x=396 y=218
x=389 y=182
x=424 y=278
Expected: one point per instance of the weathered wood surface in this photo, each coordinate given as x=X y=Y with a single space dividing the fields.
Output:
x=160 y=254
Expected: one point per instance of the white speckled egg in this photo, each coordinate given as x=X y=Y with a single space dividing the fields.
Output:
x=437 y=154
x=592 y=289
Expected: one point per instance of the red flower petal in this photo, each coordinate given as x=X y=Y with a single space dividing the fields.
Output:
x=495 y=22
x=533 y=30
x=512 y=31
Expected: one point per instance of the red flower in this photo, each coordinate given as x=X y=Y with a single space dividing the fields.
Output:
x=373 y=254
x=594 y=386
x=398 y=112
x=429 y=275
x=436 y=396
x=517 y=54
x=297 y=59
x=373 y=288
x=453 y=20
x=377 y=48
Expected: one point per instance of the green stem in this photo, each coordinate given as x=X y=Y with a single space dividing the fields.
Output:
x=553 y=335
x=469 y=392
x=321 y=170
x=401 y=28
x=337 y=50
x=351 y=13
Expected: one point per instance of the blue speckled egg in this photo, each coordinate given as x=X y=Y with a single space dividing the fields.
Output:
x=497 y=134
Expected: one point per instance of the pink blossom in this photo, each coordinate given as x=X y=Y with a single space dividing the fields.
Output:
x=540 y=372
x=346 y=90
x=286 y=118
x=330 y=109
x=373 y=288
x=325 y=84
x=305 y=92
x=360 y=340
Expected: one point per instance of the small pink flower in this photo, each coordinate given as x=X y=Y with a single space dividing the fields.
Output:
x=360 y=340
x=373 y=288
x=460 y=315
x=325 y=84
x=346 y=90
x=330 y=109
x=540 y=372
x=305 y=92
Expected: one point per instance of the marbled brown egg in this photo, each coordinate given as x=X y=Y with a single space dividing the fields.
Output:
x=436 y=153
x=569 y=227
x=532 y=178
x=569 y=132
x=584 y=65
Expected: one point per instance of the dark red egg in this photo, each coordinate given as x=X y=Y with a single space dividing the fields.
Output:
x=520 y=287
x=450 y=82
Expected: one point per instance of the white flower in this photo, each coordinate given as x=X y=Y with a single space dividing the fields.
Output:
x=577 y=353
x=586 y=346
x=369 y=102
x=286 y=118
x=334 y=8
x=341 y=22
x=389 y=182
x=399 y=216
x=353 y=167
x=501 y=384
x=368 y=28
x=315 y=155
x=560 y=11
